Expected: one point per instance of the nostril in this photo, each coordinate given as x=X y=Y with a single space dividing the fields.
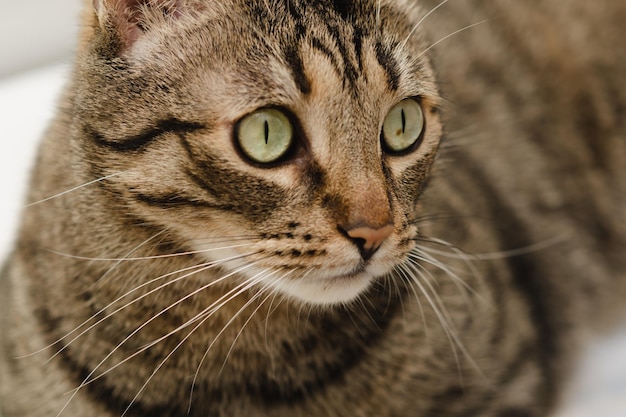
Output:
x=369 y=239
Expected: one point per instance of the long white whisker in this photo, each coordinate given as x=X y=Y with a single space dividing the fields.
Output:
x=207 y=313
x=129 y=253
x=396 y=286
x=271 y=310
x=456 y=278
x=220 y=239
x=408 y=278
x=463 y=286
x=201 y=268
x=239 y=333
x=456 y=32
x=144 y=258
x=73 y=189
x=258 y=278
x=362 y=301
x=88 y=379
x=525 y=250
x=418 y=24
x=443 y=316
x=179 y=301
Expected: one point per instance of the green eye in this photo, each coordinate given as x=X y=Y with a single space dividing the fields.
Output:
x=403 y=126
x=265 y=135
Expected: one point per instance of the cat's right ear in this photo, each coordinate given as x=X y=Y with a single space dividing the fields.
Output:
x=129 y=20
x=119 y=16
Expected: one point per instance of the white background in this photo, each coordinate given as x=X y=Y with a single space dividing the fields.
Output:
x=36 y=32
x=36 y=40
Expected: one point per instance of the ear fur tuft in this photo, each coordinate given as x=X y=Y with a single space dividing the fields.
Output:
x=131 y=18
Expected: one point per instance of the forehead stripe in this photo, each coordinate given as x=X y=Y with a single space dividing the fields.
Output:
x=144 y=138
x=294 y=60
x=389 y=64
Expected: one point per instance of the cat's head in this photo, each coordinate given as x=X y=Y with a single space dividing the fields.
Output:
x=292 y=138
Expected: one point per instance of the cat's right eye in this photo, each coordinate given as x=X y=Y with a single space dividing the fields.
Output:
x=265 y=135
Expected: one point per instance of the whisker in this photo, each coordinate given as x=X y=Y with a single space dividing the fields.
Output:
x=271 y=309
x=442 y=314
x=144 y=258
x=73 y=189
x=437 y=217
x=362 y=301
x=419 y=23
x=239 y=333
x=90 y=379
x=456 y=32
x=405 y=275
x=201 y=267
x=258 y=278
x=391 y=286
x=427 y=252
x=221 y=239
x=179 y=301
x=133 y=250
x=207 y=313
x=418 y=255
x=509 y=253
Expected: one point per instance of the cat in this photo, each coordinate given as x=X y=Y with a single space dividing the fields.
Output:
x=316 y=208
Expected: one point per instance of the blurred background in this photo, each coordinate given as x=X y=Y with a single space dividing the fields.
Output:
x=36 y=32
x=36 y=43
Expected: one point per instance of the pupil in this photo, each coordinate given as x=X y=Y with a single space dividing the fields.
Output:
x=266 y=128
x=403 y=120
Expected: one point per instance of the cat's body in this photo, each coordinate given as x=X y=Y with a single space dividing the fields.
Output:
x=297 y=321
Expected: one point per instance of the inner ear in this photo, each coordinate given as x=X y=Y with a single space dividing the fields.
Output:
x=132 y=18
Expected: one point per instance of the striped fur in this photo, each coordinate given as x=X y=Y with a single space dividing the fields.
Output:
x=183 y=279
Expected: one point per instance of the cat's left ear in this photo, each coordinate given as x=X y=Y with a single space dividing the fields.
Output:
x=131 y=19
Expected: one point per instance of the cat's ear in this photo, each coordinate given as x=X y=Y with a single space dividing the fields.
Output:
x=131 y=19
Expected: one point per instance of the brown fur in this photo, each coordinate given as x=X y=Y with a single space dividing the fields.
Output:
x=300 y=321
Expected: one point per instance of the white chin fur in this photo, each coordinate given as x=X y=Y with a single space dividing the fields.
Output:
x=337 y=290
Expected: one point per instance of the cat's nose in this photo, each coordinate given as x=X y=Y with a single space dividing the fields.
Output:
x=368 y=239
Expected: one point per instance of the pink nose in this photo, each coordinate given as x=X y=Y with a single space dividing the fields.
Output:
x=369 y=239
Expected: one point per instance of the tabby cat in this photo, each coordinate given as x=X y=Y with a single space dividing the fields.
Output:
x=322 y=208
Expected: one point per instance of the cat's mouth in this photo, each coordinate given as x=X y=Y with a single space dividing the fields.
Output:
x=330 y=288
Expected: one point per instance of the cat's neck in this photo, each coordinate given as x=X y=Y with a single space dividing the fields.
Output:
x=267 y=349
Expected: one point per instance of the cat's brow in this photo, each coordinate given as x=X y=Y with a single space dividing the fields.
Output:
x=294 y=60
x=390 y=65
x=143 y=139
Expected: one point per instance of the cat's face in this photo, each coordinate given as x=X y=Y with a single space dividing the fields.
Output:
x=296 y=147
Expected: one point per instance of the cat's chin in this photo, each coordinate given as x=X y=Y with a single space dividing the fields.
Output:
x=330 y=290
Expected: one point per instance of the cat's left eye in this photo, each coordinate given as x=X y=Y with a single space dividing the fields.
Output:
x=403 y=127
x=264 y=136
